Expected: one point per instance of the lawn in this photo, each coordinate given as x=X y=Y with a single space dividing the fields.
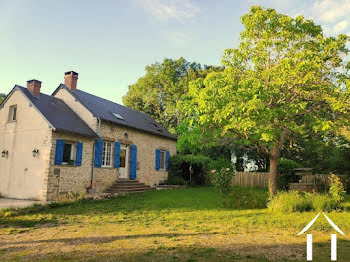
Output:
x=167 y=225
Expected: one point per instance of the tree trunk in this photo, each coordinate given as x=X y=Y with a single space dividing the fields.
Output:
x=273 y=170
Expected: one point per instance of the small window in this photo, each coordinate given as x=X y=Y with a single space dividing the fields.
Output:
x=118 y=116
x=107 y=154
x=12 y=113
x=68 y=154
x=162 y=160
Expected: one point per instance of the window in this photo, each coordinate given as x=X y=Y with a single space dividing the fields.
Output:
x=118 y=116
x=106 y=154
x=68 y=155
x=162 y=157
x=12 y=113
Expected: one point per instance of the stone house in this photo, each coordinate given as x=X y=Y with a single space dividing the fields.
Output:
x=73 y=141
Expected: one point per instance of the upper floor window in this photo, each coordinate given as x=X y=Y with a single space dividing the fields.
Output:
x=107 y=154
x=12 y=113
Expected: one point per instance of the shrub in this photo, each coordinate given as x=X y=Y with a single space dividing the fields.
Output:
x=222 y=180
x=246 y=198
x=175 y=180
x=336 y=189
x=322 y=202
x=285 y=172
x=191 y=168
x=294 y=201
x=220 y=163
x=288 y=202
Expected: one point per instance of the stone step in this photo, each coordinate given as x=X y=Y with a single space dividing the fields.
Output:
x=127 y=186
x=124 y=190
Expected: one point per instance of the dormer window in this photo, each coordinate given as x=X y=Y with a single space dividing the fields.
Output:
x=118 y=116
x=12 y=113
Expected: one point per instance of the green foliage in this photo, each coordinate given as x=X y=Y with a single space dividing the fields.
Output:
x=287 y=202
x=2 y=97
x=158 y=92
x=336 y=189
x=323 y=202
x=192 y=168
x=220 y=163
x=285 y=172
x=222 y=180
x=175 y=180
x=245 y=198
x=285 y=79
x=324 y=155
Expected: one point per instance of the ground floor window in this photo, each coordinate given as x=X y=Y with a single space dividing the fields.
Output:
x=162 y=156
x=68 y=153
x=106 y=154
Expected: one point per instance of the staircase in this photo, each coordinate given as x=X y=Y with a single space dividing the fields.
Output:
x=127 y=186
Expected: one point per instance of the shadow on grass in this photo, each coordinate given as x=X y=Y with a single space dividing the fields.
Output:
x=96 y=251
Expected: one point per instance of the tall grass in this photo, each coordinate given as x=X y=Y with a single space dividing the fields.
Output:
x=292 y=201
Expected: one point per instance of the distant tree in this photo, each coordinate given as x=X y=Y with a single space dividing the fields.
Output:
x=158 y=92
x=285 y=78
x=2 y=97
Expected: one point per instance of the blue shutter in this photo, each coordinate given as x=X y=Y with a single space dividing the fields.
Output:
x=116 y=154
x=157 y=159
x=133 y=161
x=167 y=160
x=79 y=154
x=59 y=151
x=98 y=152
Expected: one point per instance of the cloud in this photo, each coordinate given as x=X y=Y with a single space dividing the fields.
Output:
x=331 y=11
x=167 y=9
x=179 y=38
x=341 y=26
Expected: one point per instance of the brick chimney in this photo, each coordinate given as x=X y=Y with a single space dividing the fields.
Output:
x=71 y=79
x=34 y=87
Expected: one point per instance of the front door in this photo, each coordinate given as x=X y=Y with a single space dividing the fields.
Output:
x=124 y=160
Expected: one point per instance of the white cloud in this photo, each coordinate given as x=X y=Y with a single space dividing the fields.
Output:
x=331 y=11
x=341 y=26
x=179 y=38
x=167 y=9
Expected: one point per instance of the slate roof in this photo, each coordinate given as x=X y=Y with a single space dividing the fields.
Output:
x=58 y=113
x=109 y=111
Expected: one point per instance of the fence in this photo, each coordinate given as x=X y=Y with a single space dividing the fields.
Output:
x=252 y=179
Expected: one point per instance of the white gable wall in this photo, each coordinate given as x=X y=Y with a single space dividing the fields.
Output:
x=21 y=175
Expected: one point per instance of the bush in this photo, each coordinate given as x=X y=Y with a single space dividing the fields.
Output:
x=222 y=180
x=336 y=189
x=288 y=202
x=191 y=168
x=322 y=202
x=245 y=198
x=220 y=163
x=285 y=172
x=175 y=180
x=294 y=201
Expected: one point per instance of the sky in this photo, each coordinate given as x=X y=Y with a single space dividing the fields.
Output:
x=110 y=42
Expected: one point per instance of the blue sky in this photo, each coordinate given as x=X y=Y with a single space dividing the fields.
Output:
x=109 y=43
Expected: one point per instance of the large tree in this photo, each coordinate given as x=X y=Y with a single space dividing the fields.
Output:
x=158 y=92
x=285 y=78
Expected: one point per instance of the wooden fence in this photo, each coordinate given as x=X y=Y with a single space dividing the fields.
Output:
x=251 y=179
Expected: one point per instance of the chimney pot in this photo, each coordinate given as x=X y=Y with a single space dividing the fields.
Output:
x=71 y=79
x=34 y=87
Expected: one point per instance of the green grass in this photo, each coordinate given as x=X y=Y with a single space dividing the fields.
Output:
x=167 y=225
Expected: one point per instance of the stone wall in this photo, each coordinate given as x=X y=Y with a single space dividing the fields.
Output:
x=63 y=179
x=146 y=143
